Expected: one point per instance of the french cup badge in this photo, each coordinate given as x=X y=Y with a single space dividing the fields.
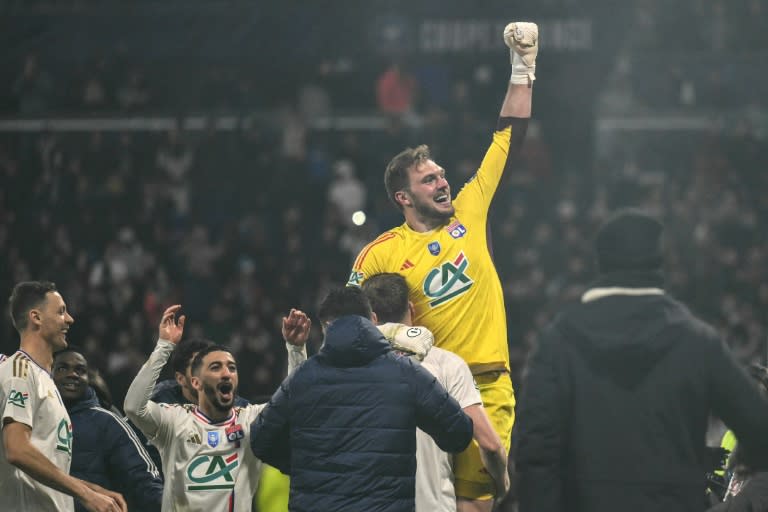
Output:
x=213 y=439
x=434 y=248
x=234 y=433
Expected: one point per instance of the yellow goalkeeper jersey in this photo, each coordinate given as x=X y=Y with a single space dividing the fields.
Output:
x=450 y=273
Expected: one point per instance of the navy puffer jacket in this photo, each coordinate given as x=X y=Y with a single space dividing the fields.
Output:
x=343 y=425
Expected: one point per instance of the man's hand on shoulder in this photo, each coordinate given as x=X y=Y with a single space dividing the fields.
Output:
x=415 y=340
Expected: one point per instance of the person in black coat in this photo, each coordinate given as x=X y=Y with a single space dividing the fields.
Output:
x=105 y=450
x=343 y=425
x=613 y=414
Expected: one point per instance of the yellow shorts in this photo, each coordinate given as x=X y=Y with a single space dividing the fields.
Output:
x=472 y=479
x=274 y=488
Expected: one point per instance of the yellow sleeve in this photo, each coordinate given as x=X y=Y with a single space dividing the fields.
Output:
x=476 y=195
x=372 y=260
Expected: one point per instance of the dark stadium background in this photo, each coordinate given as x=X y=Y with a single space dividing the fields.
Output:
x=162 y=152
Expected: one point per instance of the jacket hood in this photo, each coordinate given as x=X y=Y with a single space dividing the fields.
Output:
x=353 y=341
x=89 y=400
x=624 y=336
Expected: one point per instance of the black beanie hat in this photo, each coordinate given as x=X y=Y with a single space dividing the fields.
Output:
x=629 y=240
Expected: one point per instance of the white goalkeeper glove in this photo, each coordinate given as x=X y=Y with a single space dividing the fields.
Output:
x=414 y=340
x=523 y=41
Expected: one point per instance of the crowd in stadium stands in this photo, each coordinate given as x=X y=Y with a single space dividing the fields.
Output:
x=691 y=36
x=241 y=226
x=730 y=33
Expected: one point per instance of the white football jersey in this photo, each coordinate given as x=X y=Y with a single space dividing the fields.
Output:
x=208 y=467
x=28 y=395
x=204 y=470
x=434 y=468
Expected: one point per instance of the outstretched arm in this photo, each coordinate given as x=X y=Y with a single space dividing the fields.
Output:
x=517 y=102
x=295 y=330
x=523 y=41
x=140 y=410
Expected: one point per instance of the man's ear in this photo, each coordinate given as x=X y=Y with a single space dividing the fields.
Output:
x=374 y=318
x=402 y=198
x=195 y=381
x=34 y=317
x=411 y=313
x=180 y=378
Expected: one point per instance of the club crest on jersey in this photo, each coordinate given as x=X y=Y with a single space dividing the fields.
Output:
x=434 y=248
x=234 y=432
x=213 y=439
x=456 y=229
x=447 y=281
x=209 y=473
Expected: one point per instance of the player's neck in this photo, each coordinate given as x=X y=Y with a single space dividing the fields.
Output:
x=36 y=348
x=189 y=397
x=214 y=414
x=423 y=225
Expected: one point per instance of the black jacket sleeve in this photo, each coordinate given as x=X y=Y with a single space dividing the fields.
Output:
x=270 y=439
x=437 y=413
x=540 y=430
x=132 y=466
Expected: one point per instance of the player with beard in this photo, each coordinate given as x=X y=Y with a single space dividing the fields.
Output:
x=204 y=447
x=443 y=251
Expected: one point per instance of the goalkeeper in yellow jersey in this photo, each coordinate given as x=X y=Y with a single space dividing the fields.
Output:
x=442 y=251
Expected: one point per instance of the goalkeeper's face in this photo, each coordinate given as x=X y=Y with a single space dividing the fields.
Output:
x=430 y=193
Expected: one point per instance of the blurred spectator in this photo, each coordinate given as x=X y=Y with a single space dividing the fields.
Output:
x=175 y=159
x=133 y=94
x=33 y=88
x=346 y=192
x=314 y=100
x=395 y=90
x=94 y=93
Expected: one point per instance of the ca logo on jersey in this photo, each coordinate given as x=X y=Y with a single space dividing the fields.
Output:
x=18 y=398
x=355 y=278
x=64 y=437
x=211 y=473
x=447 y=281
